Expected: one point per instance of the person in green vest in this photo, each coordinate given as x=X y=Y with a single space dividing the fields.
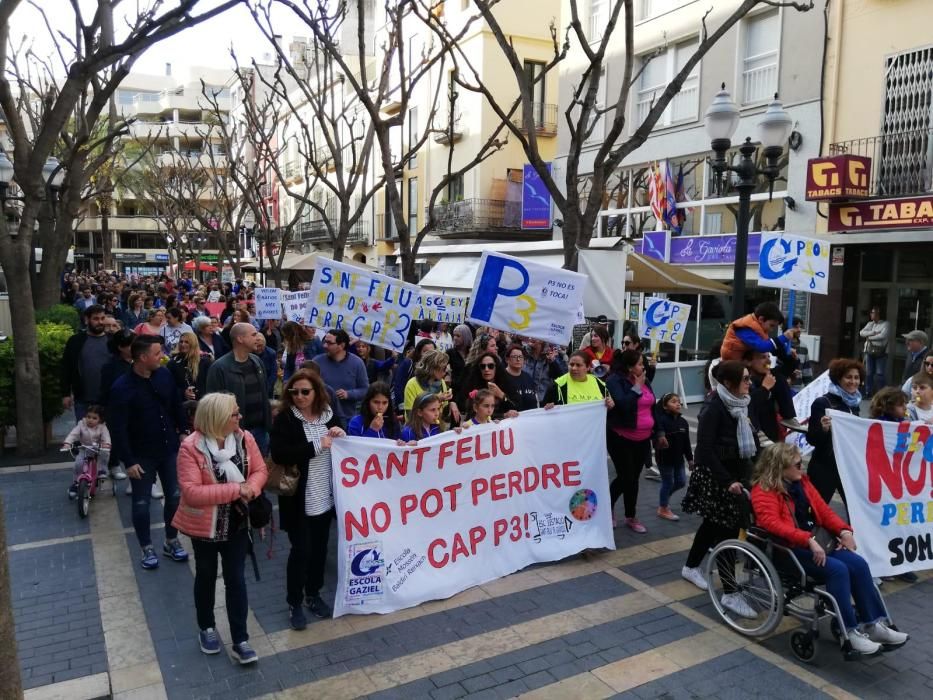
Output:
x=577 y=386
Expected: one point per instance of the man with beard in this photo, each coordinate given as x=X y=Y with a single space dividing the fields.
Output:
x=85 y=355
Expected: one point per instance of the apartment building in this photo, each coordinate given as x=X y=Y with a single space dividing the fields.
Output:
x=878 y=120
x=171 y=117
x=484 y=204
x=773 y=50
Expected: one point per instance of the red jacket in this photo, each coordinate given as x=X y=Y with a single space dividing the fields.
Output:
x=201 y=493
x=732 y=348
x=774 y=512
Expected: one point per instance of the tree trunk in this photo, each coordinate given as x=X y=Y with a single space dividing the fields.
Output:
x=47 y=289
x=106 y=241
x=9 y=663
x=30 y=434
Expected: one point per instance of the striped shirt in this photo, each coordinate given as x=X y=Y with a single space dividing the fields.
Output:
x=319 y=491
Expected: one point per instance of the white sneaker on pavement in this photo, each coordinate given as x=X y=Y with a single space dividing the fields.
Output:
x=882 y=634
x=653 y=474
x=157 y=490
x=694 y=576
x=735 y=602
x=118 y=473
x=862 y=644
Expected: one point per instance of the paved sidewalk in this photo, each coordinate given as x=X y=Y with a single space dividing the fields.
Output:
x=91 y=623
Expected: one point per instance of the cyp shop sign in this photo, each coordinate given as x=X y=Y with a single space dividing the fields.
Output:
x=529 y=298
x=665 y=321
x=788 y=261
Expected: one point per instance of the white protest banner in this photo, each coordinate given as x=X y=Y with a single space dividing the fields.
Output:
x=887 y=472
x=297 y=306
x=803 y=402
x=442 y=308
x=789 y=261
x=424 y=523
x=367 y=305
x=664 y=321
x=531 y=298
x=268 y=303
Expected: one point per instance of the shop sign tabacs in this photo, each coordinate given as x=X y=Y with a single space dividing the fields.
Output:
x=913 y=212
x=839 y=177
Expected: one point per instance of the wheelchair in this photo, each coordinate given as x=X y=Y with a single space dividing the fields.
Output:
x=775 y=585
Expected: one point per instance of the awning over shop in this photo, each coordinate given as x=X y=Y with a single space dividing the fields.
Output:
x=654 y=276
x=457 y=273
x=302 y=261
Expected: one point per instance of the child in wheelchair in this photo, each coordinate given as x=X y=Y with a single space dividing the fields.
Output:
x=788 y=507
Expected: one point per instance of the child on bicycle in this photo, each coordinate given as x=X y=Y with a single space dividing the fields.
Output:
x=90 y=430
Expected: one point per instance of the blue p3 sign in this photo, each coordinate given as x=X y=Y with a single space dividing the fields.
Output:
x=526 y=297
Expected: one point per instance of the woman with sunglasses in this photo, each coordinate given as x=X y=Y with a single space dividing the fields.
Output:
x=488 y=373
x=727 y=443
x=302 y=434
x=631 y=427
x=577 y=386
x=787 y=505
x=925 y=366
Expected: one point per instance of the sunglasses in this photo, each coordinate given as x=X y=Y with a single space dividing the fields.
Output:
x=303 y=392
x=487 y=365
x=747 y=379
x=928 y=364
x=797 y=465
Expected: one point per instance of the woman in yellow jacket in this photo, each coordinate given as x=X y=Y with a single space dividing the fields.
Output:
x=429 y=376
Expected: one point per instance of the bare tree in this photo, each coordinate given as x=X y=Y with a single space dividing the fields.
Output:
x=580 y=199
x=84 y=57
x=383 y=91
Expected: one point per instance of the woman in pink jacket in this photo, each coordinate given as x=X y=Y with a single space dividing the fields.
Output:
x=220 y=469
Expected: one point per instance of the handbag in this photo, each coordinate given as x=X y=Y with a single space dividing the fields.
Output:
x=825 y=538
x=283 y=479
x=874 y=350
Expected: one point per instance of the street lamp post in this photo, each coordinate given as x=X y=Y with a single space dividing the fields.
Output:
x=722 y=120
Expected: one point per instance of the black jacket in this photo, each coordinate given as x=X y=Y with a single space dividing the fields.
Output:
x=288 y=445
x=145 y=416
x=110 y=373
x=625 y=412
x=677 y=432
x=822 y=440
x=178 y=367
x=915 y=365
x=71 y=372
x=718 y=446
x=764 y=406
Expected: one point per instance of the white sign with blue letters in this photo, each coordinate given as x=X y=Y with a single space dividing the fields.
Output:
x=789 y=261
x=665 y=321
x=527 y=298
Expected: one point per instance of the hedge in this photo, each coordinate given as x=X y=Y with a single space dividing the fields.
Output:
x=52 y=338
x=60 y=313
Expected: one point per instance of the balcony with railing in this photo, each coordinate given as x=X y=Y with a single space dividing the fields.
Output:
x=477 y=217
x=901 y=163
x=544 y=117
x=315 y=231
x=759 y=77
x=385 y=228
x=683 y=107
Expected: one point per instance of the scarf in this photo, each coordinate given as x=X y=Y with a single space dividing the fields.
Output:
x=851 y=400
x=738 y=409
x=222 y=457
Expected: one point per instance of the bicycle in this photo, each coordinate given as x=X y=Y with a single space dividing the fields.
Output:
x=89 y=479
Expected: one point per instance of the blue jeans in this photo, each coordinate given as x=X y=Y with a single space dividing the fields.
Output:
x=142 y=495
x=261 y=436
x=232 y=555
x=673 y=478
x=875 y=366
x=847 y=577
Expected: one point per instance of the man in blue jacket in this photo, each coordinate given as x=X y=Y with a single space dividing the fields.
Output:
x=146 y=418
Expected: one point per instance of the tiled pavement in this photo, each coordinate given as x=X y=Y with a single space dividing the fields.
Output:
x=618 y=623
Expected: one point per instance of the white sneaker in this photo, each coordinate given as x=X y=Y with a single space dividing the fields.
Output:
x=882 y=634
x=129 y=487
x=118 y=473
x=694 y=576
x=653 y=474
x=157 y=490
x=736 y=603
x=862 y=644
